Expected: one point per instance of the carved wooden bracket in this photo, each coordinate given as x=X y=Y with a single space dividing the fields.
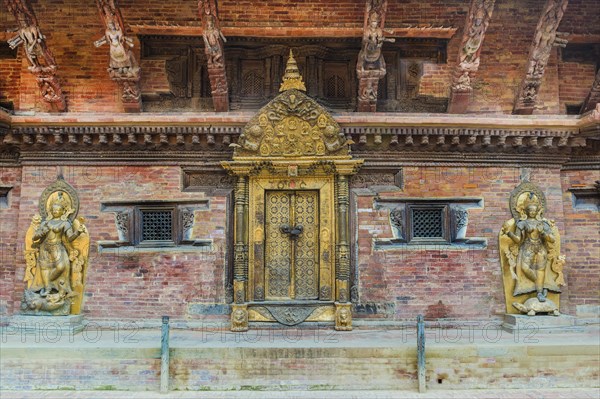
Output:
x=123 y=67
x=593 y=97
x=214 y=49
x=544 y=39
x=476 y=24
x=370 y=66
x=42 y=63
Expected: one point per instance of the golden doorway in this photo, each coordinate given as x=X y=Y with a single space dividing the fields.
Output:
x=291 y=255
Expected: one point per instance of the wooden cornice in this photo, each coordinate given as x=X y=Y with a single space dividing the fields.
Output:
x=435 y=139
x=287 y=31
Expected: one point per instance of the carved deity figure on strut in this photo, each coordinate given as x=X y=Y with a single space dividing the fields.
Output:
x=212 y=40
x=373 y=38
x=56 y=254
x=530 y=254
x=122 y=61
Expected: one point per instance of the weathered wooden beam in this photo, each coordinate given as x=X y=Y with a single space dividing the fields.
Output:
x=478 y=19
x=42 y=63
x=123 y=67
x=370 y=66
x=544 y=39
x=214 y=48
x=593 y=97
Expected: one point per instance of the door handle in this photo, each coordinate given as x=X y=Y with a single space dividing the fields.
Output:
x=293 y=232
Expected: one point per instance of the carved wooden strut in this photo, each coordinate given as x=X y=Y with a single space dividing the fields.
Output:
x=593 y=97
x=545 y=38
x=123 y=67
x=42 y=63
x=214 y=49
x=478 y=19
x=370 y=66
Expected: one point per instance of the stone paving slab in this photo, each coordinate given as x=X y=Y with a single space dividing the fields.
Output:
x=590 y=393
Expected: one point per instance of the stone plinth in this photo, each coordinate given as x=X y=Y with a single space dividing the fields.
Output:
x=45 y=325
x=547 y=324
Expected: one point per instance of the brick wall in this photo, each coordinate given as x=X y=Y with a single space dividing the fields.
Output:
x=10 y=245
x=454 y=283
x=137 y=284
x=581 y=244
x=72 y=28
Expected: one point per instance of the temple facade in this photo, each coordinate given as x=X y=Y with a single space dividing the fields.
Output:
x=294 y=162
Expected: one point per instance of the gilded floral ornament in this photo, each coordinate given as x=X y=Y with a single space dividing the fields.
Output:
x=532 y=266
x=57 y=246
x=292 y=125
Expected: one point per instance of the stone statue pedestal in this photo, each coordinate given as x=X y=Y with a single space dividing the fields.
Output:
x=539 y=323
x=45 y=327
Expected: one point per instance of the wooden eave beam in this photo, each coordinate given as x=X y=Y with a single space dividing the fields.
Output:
x=593 y=98
x=41 y=60
x=544 y=39
x=123 y=66
x=214 y=49
x=461 y=90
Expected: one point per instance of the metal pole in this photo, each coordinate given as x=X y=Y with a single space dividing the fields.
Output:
x=164 y=355
x=421 y=353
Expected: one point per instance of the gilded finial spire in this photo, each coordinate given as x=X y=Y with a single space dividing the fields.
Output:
x=292 y=78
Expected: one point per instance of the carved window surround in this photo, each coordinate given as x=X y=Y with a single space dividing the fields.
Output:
x=454 y=223
x=128 y=222
x=586 y=198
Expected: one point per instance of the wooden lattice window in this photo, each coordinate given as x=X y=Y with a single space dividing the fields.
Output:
x=428 y=222
x=253 y=83
x=157 y=224
x=335 y=87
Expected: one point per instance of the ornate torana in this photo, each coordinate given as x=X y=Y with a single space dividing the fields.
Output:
x=123 y=67
x=291 y=125
x=532 y=265
x=292 y=248
x=214 y=48
x=41 y=61
x=544 y=39
x=476 y=24
x=370 y=66
x=57 y=245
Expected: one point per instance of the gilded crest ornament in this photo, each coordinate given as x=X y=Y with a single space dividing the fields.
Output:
x=292 y=125
x=532 y=266
x=56 y=254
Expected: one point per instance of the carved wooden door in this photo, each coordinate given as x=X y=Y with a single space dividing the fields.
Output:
x=291 y=245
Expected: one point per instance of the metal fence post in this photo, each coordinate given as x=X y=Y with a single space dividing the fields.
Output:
x=164 y=355
x=421 y=353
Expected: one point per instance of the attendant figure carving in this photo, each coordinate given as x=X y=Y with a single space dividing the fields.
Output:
x=530 y=254
x=56 y=256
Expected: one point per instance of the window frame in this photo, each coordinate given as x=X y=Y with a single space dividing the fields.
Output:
x=409 y=225
x=138 y=235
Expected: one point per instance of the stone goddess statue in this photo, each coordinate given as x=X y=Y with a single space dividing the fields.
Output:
x=56 y=256
x=530 y=254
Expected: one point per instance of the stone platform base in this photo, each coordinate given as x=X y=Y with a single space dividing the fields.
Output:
x=546 y=324
x=45 y=326
x=212 y=358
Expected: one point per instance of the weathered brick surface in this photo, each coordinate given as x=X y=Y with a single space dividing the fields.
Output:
x=72 y=28
x=581 y=242
x=10 y=247
x=456 y=283
x=304 y=364
x=134 y=284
